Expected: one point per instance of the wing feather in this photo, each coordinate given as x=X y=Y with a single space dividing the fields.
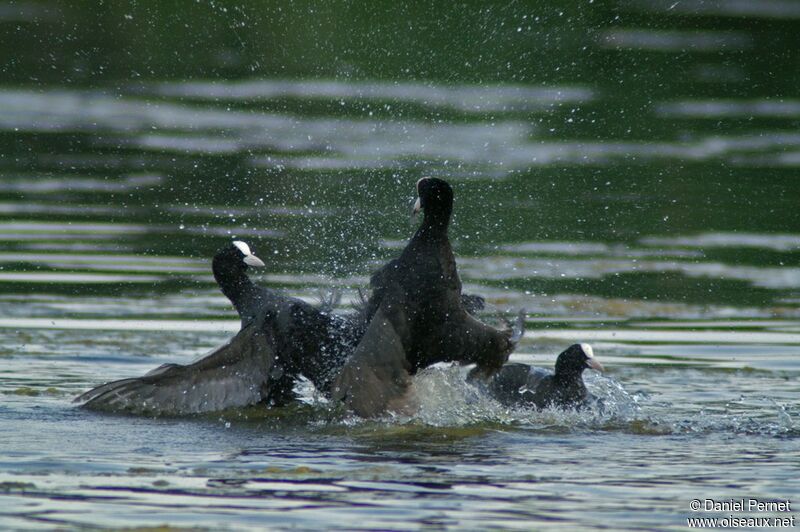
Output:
x=233 y=375
x=376 y=379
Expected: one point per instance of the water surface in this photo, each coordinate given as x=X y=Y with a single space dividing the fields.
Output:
x=625 y=171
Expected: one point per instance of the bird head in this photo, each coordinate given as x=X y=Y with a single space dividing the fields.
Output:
x=575 y=359
x=434 y=196
x=238 y=255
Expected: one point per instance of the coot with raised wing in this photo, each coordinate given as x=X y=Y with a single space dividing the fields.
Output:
x=281 y=338
x=418 y=318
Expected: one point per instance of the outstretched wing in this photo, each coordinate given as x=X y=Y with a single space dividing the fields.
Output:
x=234 y=375
x=375 y=379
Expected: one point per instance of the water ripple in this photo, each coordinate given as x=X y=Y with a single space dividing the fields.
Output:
x=465 y=98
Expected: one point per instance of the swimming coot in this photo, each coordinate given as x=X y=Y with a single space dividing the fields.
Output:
x=524 y=385
x=417 y=317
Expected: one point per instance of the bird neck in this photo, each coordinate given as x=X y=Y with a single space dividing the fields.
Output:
x=568 y=377
x=435 y=223
x=234 y=283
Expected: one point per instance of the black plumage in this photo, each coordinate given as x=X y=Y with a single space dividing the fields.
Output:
x=234 y=375
x=311 y=340
x=418 y=317
x=230 y=265
x=524 y=385
x=281 y=338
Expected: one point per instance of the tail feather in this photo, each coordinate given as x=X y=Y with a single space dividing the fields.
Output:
x=330 y=300
x=102 y=390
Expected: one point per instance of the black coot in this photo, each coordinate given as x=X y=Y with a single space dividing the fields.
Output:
x=418 y=318
x=230 y=265
x=524 y=385
x=281 y=337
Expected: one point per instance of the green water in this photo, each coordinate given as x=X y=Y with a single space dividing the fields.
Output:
x=625 y=171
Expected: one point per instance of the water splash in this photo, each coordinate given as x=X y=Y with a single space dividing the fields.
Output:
x=447 y=401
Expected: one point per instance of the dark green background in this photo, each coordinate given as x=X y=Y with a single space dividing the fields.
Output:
x=124 y=49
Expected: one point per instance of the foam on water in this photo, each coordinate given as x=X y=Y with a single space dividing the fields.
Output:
x=445 y=399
